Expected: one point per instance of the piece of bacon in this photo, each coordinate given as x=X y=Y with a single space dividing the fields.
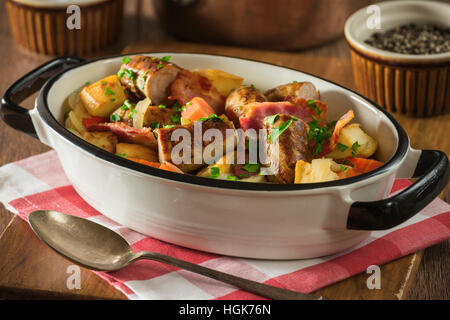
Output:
x=189 y=85
x=128 y=134
x=331 y=143
x=303 y=103
x=92 y=121
x=256 y=112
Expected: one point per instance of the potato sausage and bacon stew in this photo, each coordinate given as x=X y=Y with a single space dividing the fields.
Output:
x=136 y=114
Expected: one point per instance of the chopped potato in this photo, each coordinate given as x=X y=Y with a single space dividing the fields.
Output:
x=223 y=81
x=257 y=178
x=131 y=150
x=349 y=135
x=104 y=140
x=103 y=97
x=225 y=169
x=319 y=170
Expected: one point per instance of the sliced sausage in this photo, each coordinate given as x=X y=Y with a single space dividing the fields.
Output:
x=239 y=98
x=305 y=90
x=292 y=146
x=149 y=77
x=189 y=85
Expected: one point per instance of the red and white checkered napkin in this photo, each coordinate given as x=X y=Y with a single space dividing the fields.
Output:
x=40 y=183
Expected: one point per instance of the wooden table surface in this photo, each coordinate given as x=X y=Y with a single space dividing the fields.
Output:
x=432 y=276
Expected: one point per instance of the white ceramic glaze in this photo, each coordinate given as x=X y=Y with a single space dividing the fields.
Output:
x=257 y=224
x=360 y=26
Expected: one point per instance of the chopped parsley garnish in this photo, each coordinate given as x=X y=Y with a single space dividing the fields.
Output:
x=120 y=73
x=109 y=92
x=123 y=155
x=312 y=104
x=146 y=72
x=252 y=86
x=125 y=60
x=132 y=112
x=212 y=116
x=177 y=107
x=112 y=99
x=155 y=125
x=348 y=163
x=166 y=58
x=251 y=167
x=355 y=147
x=115 y=117
x=130 y=74
x=126 y=105
x=176 y=118
x=341 y=146
x=159 y=66
x=295 y=81
x=232 y=178
x=343 y=168
x=87 y=83
x=215 y=172
x=318 y=133
x=276 y=132
x=161 y=106
x=271 y=120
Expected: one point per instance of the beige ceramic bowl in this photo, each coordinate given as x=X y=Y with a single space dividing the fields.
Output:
x=40 y=25
x=416 y=85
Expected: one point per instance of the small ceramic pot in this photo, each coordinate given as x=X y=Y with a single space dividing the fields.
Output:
x=416 y=85
x=41 y=26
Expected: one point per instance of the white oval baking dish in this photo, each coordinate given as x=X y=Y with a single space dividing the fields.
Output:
x=269 y=221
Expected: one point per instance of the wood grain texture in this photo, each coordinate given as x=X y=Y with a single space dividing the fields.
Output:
x=431 y=281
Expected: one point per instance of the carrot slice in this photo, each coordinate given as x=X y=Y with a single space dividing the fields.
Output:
x=364 y=165
x=89 y=122
x=147 y=163
x=170 y=167
x=197 y=108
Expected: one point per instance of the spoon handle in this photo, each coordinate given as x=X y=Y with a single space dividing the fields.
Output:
x=248 y=285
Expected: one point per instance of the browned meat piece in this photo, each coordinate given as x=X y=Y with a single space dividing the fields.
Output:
x=292 y=146
x=256 y=112
x=165 y=116
x=239 y=98
x=189 y=85
x=149 y=77
x=305 y=90
x=166 y=146
x=128 y=134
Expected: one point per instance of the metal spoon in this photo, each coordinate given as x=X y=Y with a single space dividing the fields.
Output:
x=95 y=247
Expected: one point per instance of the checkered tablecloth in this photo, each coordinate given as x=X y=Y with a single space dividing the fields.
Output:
x=39 y=183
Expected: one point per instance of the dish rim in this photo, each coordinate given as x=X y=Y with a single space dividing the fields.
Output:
x=47 y=116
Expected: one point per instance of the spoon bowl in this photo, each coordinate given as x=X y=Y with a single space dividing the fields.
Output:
x=94 y=246
x=81 y=241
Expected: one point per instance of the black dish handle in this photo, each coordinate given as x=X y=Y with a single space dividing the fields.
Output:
x=11 y=112
x=433 y=172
